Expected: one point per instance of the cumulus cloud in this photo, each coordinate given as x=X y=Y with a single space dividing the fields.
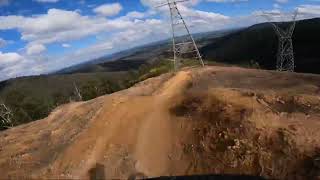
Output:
x=65 y=45
x=55 y=26
x=94 y=51
x=64 y=26
x=9 y=59
x=35 y=49
x=152 y=3
x=138 y=31
x=207 y=17
x=108 y=9
x=136 y=14
x=19 y=66
x=309 y=9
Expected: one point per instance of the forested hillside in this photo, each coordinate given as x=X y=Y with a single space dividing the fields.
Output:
x=259 y=43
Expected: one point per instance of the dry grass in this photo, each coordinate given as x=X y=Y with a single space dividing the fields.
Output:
x=231 y=139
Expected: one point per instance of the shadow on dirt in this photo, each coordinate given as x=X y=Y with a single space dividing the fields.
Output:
x=97 y=172
x=214 y=177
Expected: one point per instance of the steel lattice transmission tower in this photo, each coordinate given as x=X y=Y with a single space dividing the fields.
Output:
x=184 y=45
x=285 y=58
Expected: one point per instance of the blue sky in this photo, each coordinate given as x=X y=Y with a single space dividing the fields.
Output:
x=41 y=36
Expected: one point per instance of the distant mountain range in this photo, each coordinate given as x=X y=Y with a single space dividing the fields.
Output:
x=257 y=43
x=133 y=58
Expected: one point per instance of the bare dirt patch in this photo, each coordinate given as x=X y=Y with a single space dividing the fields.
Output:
x=216 y=120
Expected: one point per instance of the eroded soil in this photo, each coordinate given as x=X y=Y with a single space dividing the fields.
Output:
x=214 y=120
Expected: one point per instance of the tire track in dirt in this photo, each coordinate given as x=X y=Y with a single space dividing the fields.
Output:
x=155 y=137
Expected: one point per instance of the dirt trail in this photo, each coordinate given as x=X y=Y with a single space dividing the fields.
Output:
x=197 y=121
x=156 y=131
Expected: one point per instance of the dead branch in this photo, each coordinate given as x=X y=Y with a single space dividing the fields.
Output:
x=5 y=116
x=77 y=91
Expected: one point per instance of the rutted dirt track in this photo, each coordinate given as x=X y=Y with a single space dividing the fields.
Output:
x=198 y=121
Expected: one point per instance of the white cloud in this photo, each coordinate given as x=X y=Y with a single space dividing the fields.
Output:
x=151 y=3
x=8 y=59
x=63 y=26
x=309 y=9
x=208 y=17
x=108 y=9
x=95 y=51
x=55 y=26
x=136 y=14
x=65 y=45
x=20 y=66
x=35 y=49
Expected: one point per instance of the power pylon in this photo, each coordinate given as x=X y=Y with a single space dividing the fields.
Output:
x=184 y=45
x=285 y=57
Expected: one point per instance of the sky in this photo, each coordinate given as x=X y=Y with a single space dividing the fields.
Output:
x=43 y=36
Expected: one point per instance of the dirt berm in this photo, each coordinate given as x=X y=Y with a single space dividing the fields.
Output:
x=213 y=120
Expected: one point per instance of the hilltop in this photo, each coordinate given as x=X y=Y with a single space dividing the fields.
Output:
x=212 y=120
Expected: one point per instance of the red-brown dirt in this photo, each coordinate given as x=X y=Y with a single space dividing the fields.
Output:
x=209 y=120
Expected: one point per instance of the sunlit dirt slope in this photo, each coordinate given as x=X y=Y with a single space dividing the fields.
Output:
x=213 y=120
